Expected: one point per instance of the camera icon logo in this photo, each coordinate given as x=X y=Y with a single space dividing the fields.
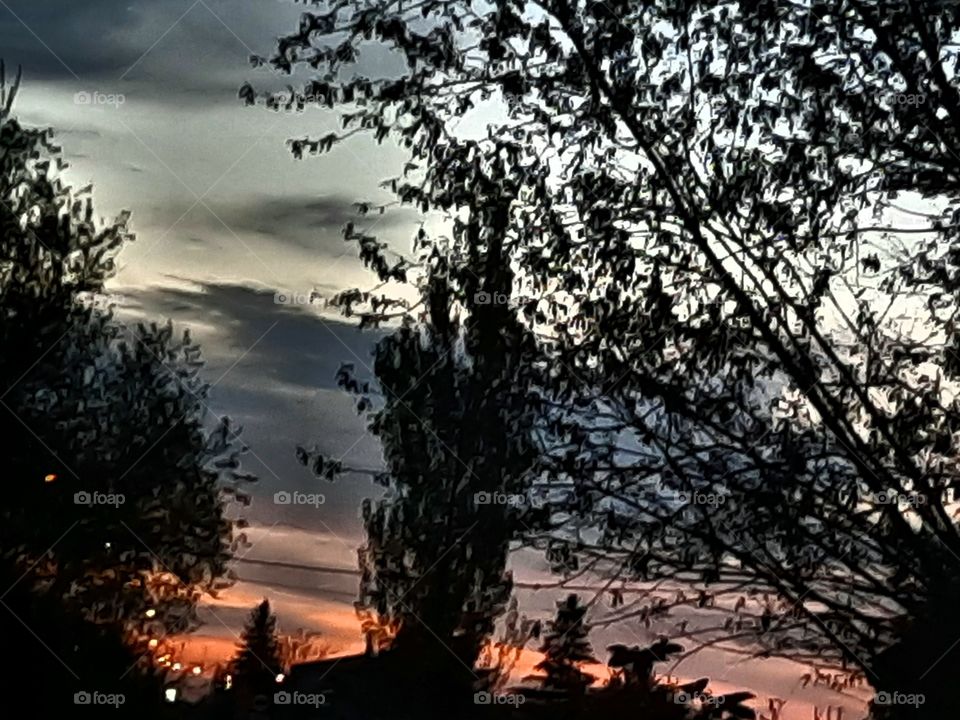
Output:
x=482 y=698
x=482 y=298
x=282 y=698
x=482 y=498
x=82 y=698
x=81 y=98
x=82 y=498
x=282 y=498
x=281 y=298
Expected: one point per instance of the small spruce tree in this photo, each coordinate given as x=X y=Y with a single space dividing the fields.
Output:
x=565 y=648
x=259 y=659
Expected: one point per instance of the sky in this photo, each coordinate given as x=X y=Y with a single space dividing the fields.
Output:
x=143 y=99
x=142 y=95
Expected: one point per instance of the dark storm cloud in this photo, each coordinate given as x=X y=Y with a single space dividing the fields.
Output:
x=291 y=212
x=274 y=370
x=181 y=52
x=301 y=349
x=85 y=36
x=181 y=47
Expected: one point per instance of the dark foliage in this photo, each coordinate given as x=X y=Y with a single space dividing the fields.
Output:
x=456 y=422
x=53 y=660
x=258 y=661
x=566 y=647
x=753 y=363
x=113 y=522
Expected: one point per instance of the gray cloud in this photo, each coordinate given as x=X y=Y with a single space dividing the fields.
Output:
x=308 y=221
x=175 y=52
x=302 y=349
x=53 y=39
x=274 y=365
x=113 y=42
x=274 y=368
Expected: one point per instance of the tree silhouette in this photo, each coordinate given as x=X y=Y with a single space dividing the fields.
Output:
x=637 y=663
x=734 y=227
x=565 y=648
x=456 y=425
x=105 y=424
x=258 y=660
x=53 y=656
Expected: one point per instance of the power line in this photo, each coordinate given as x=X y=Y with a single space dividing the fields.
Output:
x=330 y=570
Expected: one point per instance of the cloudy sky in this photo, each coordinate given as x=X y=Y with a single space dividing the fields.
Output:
x=143 y=96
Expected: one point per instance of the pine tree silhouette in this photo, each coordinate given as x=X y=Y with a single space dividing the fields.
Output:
x=258 y=660
x=566 y=647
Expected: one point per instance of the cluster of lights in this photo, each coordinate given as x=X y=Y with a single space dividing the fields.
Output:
x=169 y=694
x=166 y=661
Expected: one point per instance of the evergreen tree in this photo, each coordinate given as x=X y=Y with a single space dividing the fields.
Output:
x=565 y=648
x=258 y=660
